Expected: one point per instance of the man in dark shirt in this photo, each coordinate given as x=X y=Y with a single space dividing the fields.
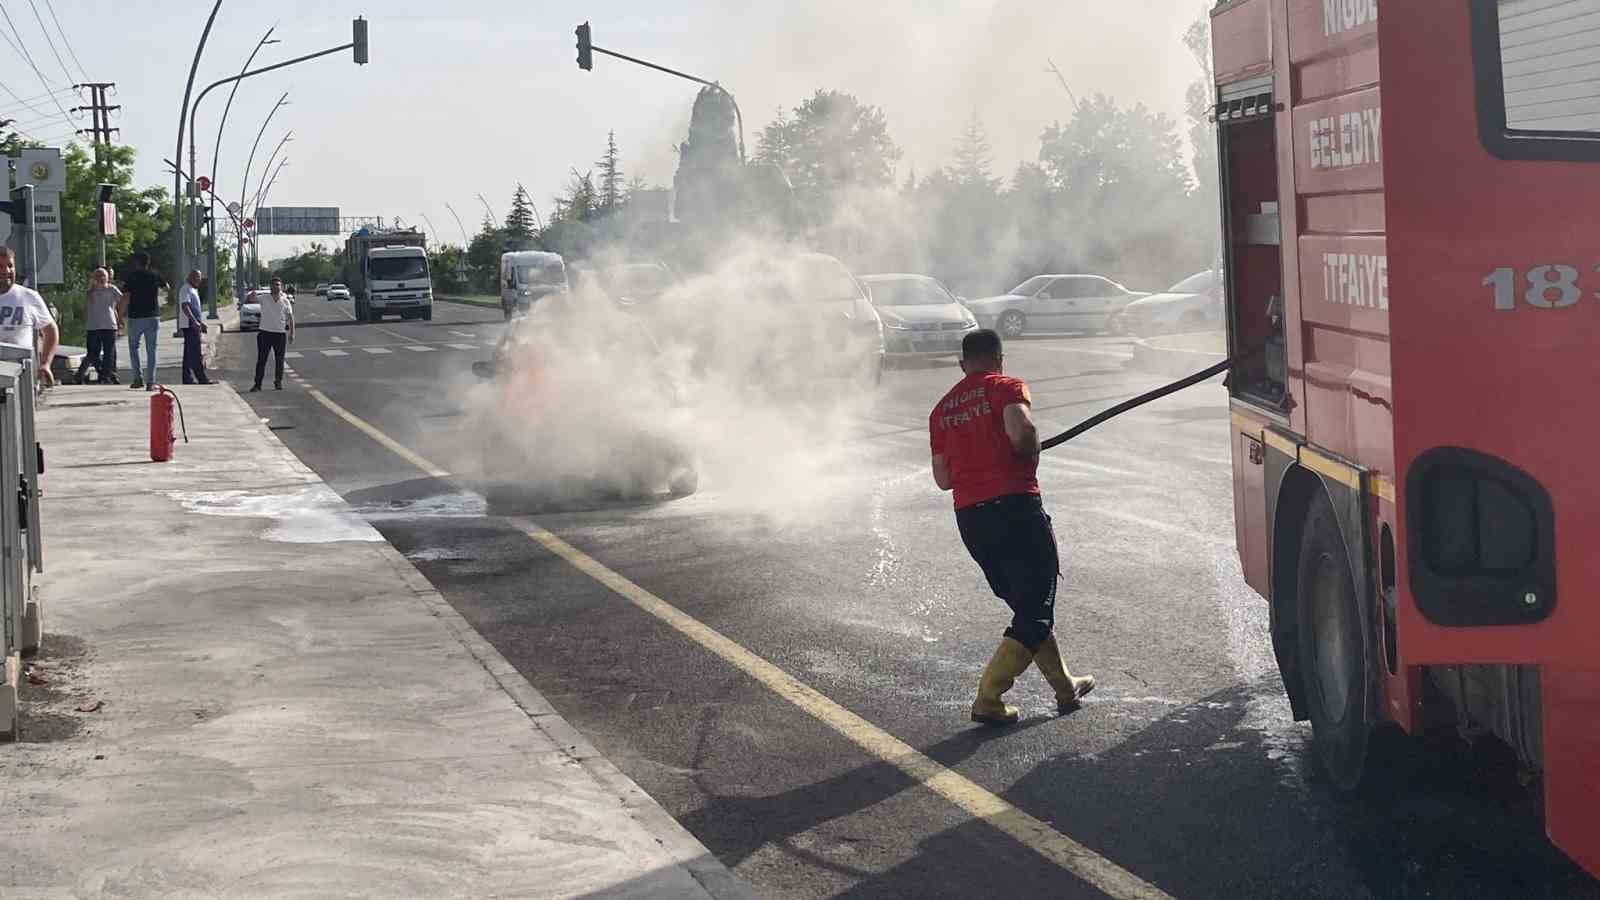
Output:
x=141 y=310
x=986 y=450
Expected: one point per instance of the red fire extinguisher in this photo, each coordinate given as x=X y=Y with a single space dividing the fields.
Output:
x=162 y=438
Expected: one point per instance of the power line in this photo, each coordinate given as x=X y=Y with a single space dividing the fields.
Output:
x=38 y=97
x=21 y=46
x=50 y=40
x=59 y=30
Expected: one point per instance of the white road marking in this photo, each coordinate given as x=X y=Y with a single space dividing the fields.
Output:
x=334 y=353
x=377 y=350
x=463 y=334
x=967 y=795
x=420 y=348
x=294 y=354
x=403 y=337
x=338 y=340
x=462 y=346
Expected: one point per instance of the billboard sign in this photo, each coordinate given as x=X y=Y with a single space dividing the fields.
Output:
x=295 y=220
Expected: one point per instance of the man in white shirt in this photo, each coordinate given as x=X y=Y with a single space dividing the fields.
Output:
x=22 y=313
x=194 y=365
x=276 y=330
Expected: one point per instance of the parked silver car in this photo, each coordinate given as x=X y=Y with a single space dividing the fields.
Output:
x=920 y=315
x=1054 y=303
x=1193 y=304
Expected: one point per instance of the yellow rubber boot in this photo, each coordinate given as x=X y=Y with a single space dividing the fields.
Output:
x=1010 y=660
x=1070 y=689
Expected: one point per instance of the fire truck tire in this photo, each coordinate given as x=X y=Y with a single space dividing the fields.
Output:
x=1335 y=649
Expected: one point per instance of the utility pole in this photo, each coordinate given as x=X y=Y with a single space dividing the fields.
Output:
x=100 y=132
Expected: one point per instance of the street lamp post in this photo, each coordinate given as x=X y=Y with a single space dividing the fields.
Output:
x=358 y=44
x=487 y=209
x=255 y=203
x=180 y=197
x=262 y=198
x=431 y=226
x=465 y=241
x=244 y=193
x=216 y=153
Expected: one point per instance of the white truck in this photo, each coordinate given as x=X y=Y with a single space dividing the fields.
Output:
x=387 y=273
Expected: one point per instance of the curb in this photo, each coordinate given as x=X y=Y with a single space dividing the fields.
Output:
x=684 y=848
x=1170 y=360
x=462 y=301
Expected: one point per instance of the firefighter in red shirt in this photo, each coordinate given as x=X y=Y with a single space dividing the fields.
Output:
x=986 y=450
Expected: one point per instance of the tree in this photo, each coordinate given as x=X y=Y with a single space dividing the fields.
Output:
x=833 y=145
x=483 y=257
x=610 y=166
x=973 y=161
x=580 y=202
x=1202 y=131
x=317 y=265
x=448 y=263
x=144 y=222
x=519 y=227
x=1124 y=191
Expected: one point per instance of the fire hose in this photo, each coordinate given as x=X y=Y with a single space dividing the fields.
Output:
x=1147 y=397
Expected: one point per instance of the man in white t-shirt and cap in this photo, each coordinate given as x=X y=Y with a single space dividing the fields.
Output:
x=22 y=313
x=274 y=333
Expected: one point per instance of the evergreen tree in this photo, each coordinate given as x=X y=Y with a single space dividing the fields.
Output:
x=611 y=184
x=520 y=221
x=973 y=162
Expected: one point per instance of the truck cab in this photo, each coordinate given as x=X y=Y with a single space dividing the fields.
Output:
x=1411 y=307
x=398 y=283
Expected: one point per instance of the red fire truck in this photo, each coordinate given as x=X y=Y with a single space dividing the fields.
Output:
x=1410 y=208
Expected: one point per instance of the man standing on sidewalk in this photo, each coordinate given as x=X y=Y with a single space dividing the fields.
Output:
x=189 y=322
x=986 y=449
x=141 y=310
x=276 y=330
x=100 y=328
x=22 y=313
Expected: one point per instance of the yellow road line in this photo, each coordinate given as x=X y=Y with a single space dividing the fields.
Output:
x=959 y=790
x=371 y=431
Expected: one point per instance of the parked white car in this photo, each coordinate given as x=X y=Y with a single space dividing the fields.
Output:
x=1054 y=303
x=1193 y=304
x=250 y=310
x=920 y=315
x=338 y=292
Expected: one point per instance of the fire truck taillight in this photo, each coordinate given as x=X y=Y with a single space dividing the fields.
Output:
x=1480 y=540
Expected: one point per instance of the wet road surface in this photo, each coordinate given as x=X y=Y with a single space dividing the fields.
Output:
x=1183 y=769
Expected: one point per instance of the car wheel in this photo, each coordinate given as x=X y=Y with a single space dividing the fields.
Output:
x=1012 y=324
x=427 y=315
x=1335 y=654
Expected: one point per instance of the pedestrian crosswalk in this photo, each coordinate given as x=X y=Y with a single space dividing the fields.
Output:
x=347 y=349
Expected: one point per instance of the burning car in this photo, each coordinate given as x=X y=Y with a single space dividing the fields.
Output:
x=581 y=410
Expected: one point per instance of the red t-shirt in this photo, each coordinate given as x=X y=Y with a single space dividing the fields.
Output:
x=968 y=429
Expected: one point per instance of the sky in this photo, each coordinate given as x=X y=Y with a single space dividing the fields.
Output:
x=475 y=96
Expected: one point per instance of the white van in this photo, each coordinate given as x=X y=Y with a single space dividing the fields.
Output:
x=527 y=276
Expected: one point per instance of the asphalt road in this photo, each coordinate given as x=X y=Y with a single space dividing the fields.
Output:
x=1183 y=769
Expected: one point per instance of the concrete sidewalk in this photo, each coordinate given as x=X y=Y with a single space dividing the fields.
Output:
x=247 y=692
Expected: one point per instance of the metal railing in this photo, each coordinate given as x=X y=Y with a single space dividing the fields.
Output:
x=21 y=547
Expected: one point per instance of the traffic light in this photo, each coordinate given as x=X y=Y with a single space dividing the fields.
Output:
x=585 y=49
x=358 y=30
